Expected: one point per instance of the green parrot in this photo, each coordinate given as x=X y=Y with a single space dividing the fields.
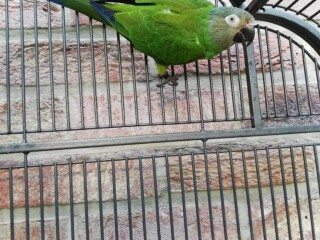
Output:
x=171 y=31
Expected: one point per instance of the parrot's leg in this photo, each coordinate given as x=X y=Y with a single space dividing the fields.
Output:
x=167 y=79
x=164 y=76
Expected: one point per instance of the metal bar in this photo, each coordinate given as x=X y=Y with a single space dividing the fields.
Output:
x=306 y=78
x=265 y=88
x=85 y=198
x=134 y=83
x=53 y=115
x=196 y=199
x=41 y=198
x=94 y=79
x=283 y=75
x=169 y=197
x=306 y=173
x=316 y=159
x=296 y=190
x=123 y=110
x=129 y=198
x=273 y=90
x=213 y=105
x=236 y=3
x=11 y=203
x=26 y=196
x=148 y=88
x=183 y=198
x=263 y=219
x=36 y=57
x=56 y=201
x=65 y=68
x=100 y=199
x=107 y=80
x=223 y=208
x=274 y=207
x=234 y=191
x=206 y=168
x=244 y=167
x=72 y=217
x=23 y=75
x=115 y=207
x=79 y=73
x=156 y=197
x=155 y=138
x=199 y=96
x=187 y=92
x=295 y=79
x=225 y=100
x=143 y=204
x=8 y=66
x=285 y=195
x=303 y=29
x=253 y=89
x=256 y=5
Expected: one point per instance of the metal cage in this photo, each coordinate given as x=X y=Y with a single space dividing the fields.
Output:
x=90 y=148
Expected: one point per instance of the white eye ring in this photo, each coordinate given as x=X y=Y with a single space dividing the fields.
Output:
x=232 y=20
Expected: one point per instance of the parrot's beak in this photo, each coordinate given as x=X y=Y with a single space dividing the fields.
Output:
x=246 y=35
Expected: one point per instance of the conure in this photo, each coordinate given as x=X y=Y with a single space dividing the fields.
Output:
x=171 y=31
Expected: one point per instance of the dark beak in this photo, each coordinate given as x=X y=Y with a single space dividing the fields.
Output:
x=245 y=36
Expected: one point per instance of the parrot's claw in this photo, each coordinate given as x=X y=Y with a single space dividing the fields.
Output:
x=171 y=80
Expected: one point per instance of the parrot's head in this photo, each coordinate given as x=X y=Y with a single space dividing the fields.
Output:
x=232 y=25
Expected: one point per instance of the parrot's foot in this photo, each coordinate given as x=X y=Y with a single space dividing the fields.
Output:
x=171 y=80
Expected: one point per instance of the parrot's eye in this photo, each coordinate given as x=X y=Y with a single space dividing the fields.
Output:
x=232 y=20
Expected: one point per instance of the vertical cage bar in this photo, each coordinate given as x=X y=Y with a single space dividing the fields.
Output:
x=306 y=173
x=274 y=207
x=156 y=196
x=225 y=100
x=315 y=152
x=223 y=210
x=65 y=68
x=11 y=204
x=93 y=73
x=26 y=196
x=183 y=197
x=283 y=75
x=143 y=206
x=8 y=66
x=213 y=105
x=106 y=66
x=115 y=207
x=234 y=190
x=253 y=89
x=284 y=188
x=186 y=84
x=196 y=199
x=134 y=83
x=129 y=198
x=263 y=219
x=23 y=75
x=72 y=216
x=56 y=201
x=306 y=77
x=169 y=196
x=41 y=187
x=79 y=72
x=36 y=57
x=296 y=85
x=85 y=193
x=100 y=199
x=199 y=95
x=53 y=114
x=296 y=191
x=123 y=114
x=244 y=165
x=146 y=65
x=206 y=167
